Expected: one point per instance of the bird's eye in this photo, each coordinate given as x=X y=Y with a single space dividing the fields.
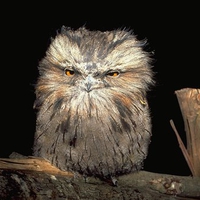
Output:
x=113 y=73
x=69 y=72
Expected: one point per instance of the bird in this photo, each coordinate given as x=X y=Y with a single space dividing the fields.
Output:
x=92 y=112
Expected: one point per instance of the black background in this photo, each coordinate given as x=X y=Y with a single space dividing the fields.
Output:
x=172 y=32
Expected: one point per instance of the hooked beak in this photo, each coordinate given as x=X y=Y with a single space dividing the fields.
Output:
x=91 y=83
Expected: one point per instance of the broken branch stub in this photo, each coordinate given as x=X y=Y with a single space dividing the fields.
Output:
x=189 y=102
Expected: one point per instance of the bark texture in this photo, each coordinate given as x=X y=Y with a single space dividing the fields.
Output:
x=35 y=179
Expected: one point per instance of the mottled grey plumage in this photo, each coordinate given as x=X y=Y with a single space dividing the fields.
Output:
x=93 y=116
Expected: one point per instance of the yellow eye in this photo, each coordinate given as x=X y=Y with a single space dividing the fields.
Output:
x=115 y=73
x=69 y=72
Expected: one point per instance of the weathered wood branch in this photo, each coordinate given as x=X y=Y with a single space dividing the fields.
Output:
x=189 y=102
x=34 y=178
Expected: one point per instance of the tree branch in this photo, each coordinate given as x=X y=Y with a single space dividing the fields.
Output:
x=34 y=178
